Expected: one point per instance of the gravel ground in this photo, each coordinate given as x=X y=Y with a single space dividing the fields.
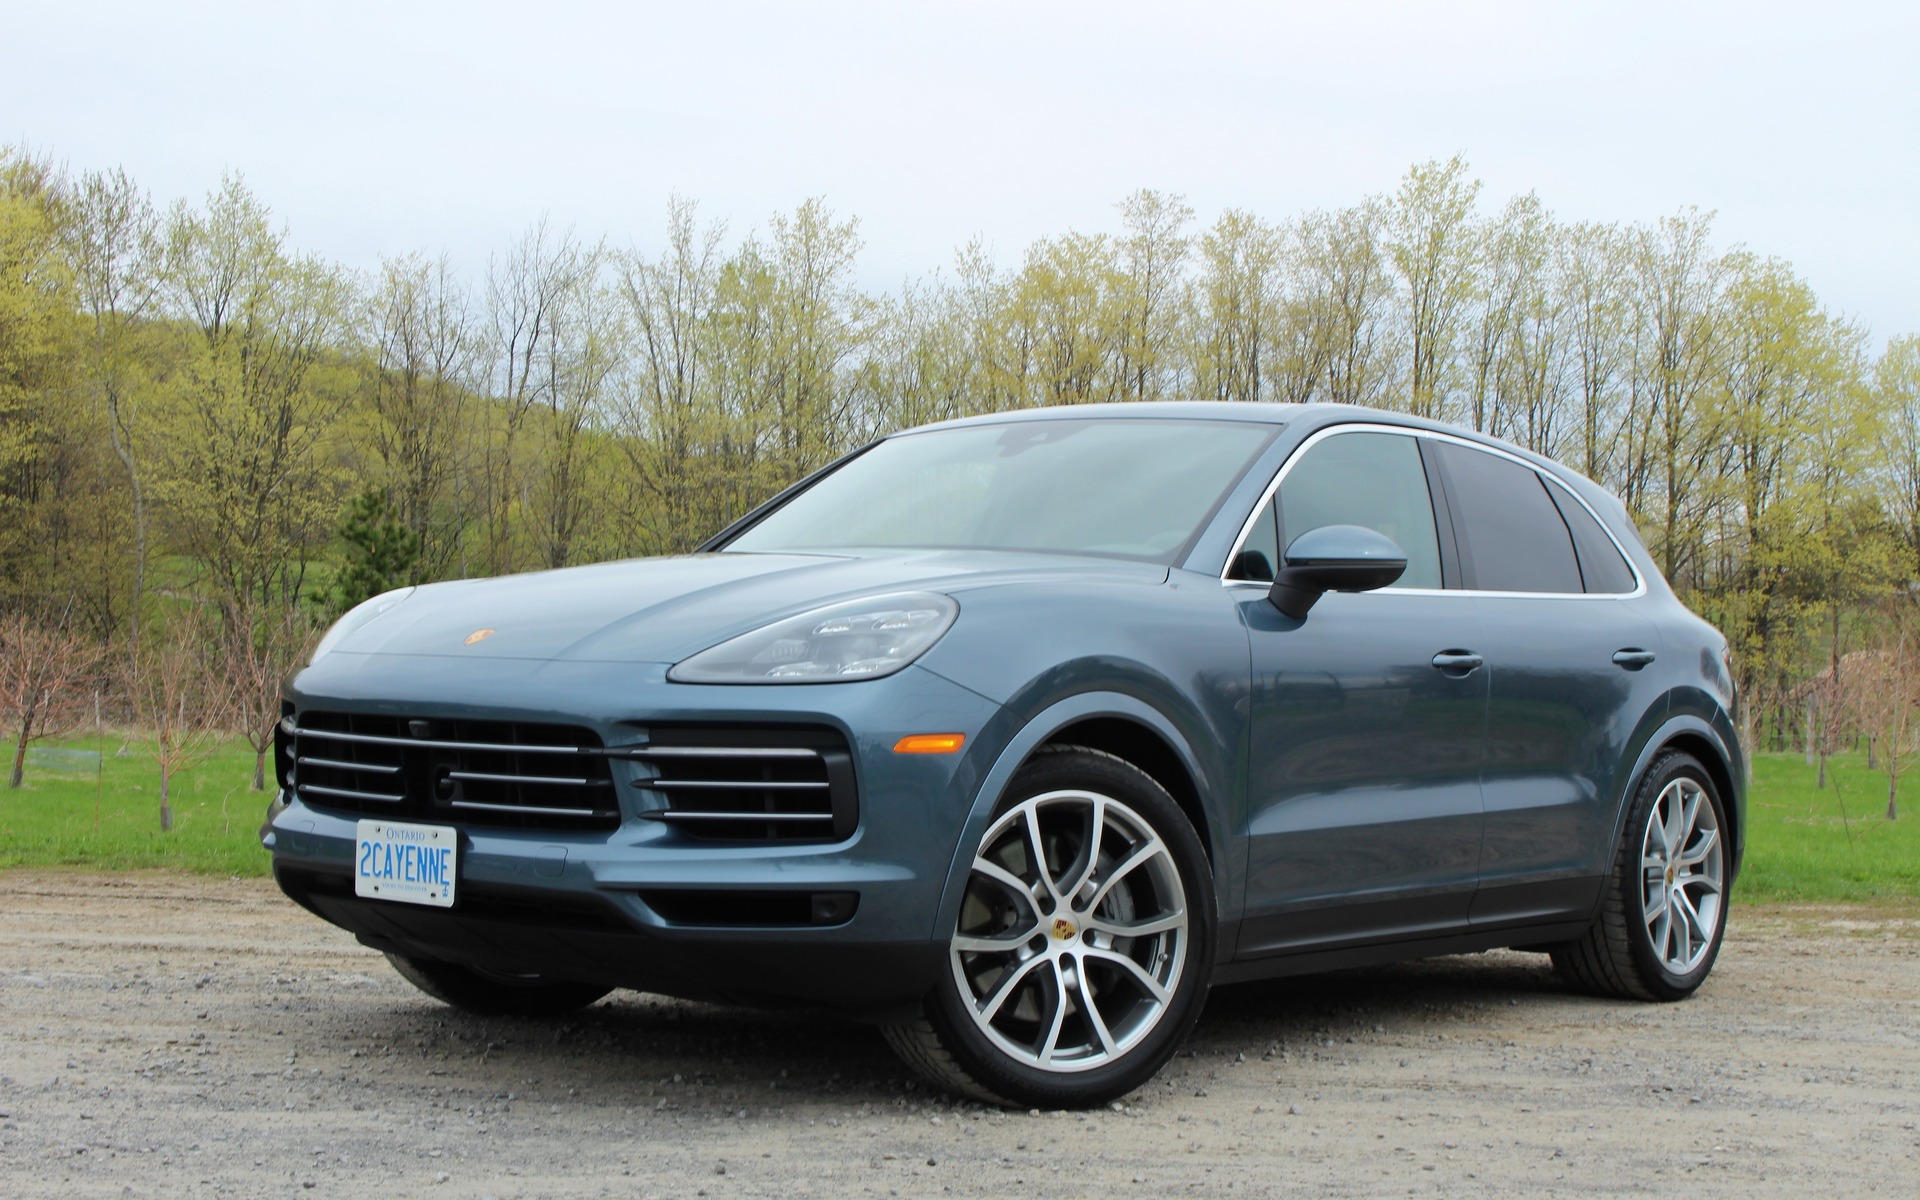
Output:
x=163 y=1035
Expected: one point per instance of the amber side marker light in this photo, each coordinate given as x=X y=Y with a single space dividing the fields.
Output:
x=930 y=743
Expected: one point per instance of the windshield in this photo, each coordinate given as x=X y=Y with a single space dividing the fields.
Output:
x=1121 y=488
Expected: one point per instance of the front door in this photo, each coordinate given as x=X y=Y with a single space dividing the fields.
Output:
x=1367 y=720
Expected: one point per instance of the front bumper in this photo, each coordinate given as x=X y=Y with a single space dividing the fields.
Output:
x=847 y=923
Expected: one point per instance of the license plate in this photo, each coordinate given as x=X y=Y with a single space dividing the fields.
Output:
x=413 y=864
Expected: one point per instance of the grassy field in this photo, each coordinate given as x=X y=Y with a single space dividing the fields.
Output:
x=1832 y=843
x=1805 y=843
x=74 y=810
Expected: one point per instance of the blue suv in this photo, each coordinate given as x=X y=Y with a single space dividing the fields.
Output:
x=1014 y=734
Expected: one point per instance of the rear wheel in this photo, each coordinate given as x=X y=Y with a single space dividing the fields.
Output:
x=1083 y=946
x=495 y=993
x=1663 y=910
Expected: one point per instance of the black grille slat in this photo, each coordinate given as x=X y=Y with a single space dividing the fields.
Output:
x=752 y=784
x=765 y=785
x=498 y=773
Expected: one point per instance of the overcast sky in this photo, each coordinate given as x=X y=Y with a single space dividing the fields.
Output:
x=379 y=129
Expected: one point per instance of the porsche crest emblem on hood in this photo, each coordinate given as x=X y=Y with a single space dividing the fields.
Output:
x=479 y=635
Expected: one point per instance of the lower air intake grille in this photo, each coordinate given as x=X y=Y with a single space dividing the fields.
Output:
x=511 y=774
x=789 y=785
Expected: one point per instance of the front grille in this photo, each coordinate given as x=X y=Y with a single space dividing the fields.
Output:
x=511 y=774
x=752 y=784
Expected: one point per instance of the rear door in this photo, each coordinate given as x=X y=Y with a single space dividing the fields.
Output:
x=1566 y=653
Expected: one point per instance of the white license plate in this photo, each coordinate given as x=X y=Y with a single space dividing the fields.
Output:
x=414 y=864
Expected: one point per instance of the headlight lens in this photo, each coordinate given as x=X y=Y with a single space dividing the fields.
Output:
x=861 y=639
x=358 y=616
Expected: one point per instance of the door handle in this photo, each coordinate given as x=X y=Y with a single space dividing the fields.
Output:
x=1632 y=658
x=1457 y=663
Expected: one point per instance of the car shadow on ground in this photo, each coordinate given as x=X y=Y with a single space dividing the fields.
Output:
x=633 y=1049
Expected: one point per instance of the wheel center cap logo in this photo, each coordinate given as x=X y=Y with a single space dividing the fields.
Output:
x=1063 y=928
x=1670 y=874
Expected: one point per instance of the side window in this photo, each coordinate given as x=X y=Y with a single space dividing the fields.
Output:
x=1512 y=537
x=1370 y=479
x=1601 y=567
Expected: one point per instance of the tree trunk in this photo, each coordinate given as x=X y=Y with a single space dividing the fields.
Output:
x=166 y=804
x=1806 y=730
x=1872 y=762
x=20 y=754
x=259 y=769
x=1893 y=789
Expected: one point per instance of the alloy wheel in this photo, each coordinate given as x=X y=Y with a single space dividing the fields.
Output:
x=1682 y=861
x=1073 y=932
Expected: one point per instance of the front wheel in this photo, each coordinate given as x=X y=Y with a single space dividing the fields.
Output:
x=495 y=993
x=1663 y=909
x=1084 y=942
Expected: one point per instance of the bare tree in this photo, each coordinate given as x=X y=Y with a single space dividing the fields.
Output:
x=183 y=700
x=47 y=672
x=260 y=650
x=424 y=344
x=527 y=294
x=1883 y=690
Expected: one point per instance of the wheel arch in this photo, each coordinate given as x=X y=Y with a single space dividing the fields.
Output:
x=1141 y=745
x=1127 y=728
x=1692 y=735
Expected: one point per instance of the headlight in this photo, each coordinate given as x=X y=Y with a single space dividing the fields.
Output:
x=358 y=616
x=860 y=639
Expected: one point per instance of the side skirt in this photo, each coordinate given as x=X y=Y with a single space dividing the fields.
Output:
x=1469 y=942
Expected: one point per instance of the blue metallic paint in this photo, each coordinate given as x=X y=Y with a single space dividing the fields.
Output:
x=1043 y=644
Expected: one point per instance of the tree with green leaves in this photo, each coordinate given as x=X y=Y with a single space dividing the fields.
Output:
x=114 y=247
x=1433 y=243
x=256 y=393
x=382 y=553
x=34 y=322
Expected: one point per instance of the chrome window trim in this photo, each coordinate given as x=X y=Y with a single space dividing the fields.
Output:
x=1318 y=436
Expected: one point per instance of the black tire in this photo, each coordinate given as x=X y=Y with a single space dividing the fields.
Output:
x=1099 y=1027
x=1641 y=946
x=495 y=994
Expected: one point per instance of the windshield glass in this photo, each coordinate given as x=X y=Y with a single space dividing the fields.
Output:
x=1121 y=488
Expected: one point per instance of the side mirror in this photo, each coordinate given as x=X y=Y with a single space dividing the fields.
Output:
x=1334 y=558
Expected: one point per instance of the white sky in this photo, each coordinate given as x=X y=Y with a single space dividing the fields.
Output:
x=378 y=129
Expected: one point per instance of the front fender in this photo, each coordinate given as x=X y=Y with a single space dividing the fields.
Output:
x=1036 y=732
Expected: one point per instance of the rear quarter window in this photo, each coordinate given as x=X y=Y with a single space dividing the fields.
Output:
x=1602 y=569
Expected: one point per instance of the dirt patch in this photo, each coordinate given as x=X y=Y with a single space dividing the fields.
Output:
x=164 y=1035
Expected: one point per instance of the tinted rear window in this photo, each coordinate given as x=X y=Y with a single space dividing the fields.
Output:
x=1512 y=537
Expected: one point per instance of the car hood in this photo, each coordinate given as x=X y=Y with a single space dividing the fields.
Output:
x=665 y=609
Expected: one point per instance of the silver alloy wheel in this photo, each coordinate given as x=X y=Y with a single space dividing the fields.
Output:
x=1682 y=876
x=1073 y=931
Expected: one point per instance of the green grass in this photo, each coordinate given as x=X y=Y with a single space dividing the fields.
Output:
x=1829 y=844
x=1805 y=843
x=70 y=814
